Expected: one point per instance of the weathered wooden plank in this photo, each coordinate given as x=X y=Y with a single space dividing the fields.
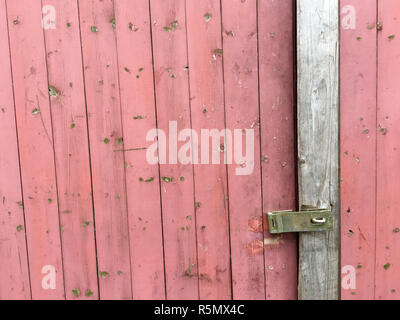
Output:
x=358 y=146
x=387 y=276
x=138 y=115
x=318 y=112
x=34 y=126
x=239 y=23
x=173 y=115
x=97 y=22
x=276 y=39
x=14 y=273
x=207 y=110
x=65 y=75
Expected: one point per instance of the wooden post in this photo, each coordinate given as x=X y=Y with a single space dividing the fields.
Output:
x=318 y=135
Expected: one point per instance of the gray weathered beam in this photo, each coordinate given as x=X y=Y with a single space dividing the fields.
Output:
x=318 y=147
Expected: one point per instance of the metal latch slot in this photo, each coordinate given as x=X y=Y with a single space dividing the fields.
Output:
x=300 y=221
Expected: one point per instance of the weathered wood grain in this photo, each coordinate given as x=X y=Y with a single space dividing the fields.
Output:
x=65 y=74
x=318 y=112
x=168 y=22
x=358 y=61
x=106 y=136
x=207 y=112
x=239 y=54
x=14 y=273
x=276 y=41
x=138 y=117
x=387 y=269
x=35 y=139
x=205 y=76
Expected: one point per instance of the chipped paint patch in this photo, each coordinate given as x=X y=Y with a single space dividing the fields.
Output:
x=274 y=242
x=255 y=247
x=256 y=224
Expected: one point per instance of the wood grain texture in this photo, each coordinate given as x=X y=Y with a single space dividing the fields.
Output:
x=14 y=273
x=276 y=60
x=239 y=29
x=114 y=225
x=318 y=112
x=387 y=276
x=138 y=113
x=173 y=114
x=207 y=111
x=106 y=138
x=34 y=126
x=358 y=69
x=68 y=107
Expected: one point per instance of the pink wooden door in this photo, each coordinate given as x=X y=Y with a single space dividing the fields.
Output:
x=370 y=149
x=84 y=213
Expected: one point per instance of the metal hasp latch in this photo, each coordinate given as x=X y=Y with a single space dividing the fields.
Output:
x=300 y=221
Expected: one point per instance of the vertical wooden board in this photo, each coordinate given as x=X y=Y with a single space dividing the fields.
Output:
x=172 y=102
x=358 y=145
x=318 y=112
x=239 y=29
x=35 y=145
x=65 y=75
x=276 y=32
x=387 y=278
x=14 y=274
x=106 y=138
x=207 y=109
x=138 y=114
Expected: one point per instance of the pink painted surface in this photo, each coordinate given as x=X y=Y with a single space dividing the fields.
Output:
x=65 y=73
x=277 y=141
x=239 y=21
x=358 y=146
x=35 y=145
x=207 y=112
x=387 y=270
x=14 y=274
x=370 y=174
x=106 y=139
x=172 y=102
x=154 y=238
x=138 y=114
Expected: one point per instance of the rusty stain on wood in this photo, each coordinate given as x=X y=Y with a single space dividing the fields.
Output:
x=256 y=247
x=256 y=224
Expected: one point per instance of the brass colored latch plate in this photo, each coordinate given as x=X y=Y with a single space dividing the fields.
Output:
x=301 y=221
